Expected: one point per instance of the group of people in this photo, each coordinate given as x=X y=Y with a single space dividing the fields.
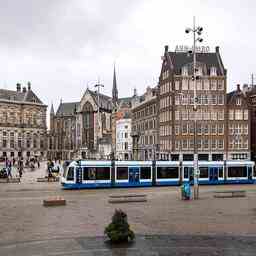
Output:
x=10 y=163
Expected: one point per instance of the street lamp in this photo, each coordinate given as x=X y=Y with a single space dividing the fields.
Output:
x=197 y=31
x=98 y=85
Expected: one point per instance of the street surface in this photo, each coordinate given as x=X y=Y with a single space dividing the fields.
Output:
x=164 y=225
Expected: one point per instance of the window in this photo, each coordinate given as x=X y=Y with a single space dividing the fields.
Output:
x=220 y=129
x=70 y=176
x=213 y=85
x=245 y=129
x=238 y=114
x=238 y=101
x=237 y=171
x=231 y=114
x=168 y=172
x=177 y=115
x=184 y=71
x=145 y=173
x=220 y=144
x=185 y=144
x=177 y=85
x=214 y=128
x=206 y=85
x=220 y=99
x=213 y=71
x=122 y=173
x=184 y=129
x=214 y=144
x=213 y=115
x=199 y=85
x=203 y=172
x=205 y=144
x=221 y=85
x=214 y=99
x=246 y=114
x=221 y=115
x=177 y=145
x=184 y=84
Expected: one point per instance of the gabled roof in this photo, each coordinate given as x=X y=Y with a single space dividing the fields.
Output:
x=105 y=101
x=67 y=109
x=209 y=59
x=232 y=96
x=28 y=96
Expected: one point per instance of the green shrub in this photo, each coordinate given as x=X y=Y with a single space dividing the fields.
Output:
x=119 y=230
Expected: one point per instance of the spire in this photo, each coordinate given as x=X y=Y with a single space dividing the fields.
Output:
x=114 y=89
x=52 y=110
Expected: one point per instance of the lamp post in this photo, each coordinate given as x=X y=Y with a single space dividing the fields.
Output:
x=98 y=85
x=196 y=31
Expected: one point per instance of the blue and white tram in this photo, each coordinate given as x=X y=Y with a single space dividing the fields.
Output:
x=240 y=172
x=87 y=174
x=94 y=174
x=167 y=173
x=133 y=173
x=210 y=172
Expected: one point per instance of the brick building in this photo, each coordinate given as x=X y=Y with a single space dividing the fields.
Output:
x=176 y=112
x=22 y=123
x=238 y=126
x=145 y=126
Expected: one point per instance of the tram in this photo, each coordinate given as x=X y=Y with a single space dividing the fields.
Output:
x=105 y=174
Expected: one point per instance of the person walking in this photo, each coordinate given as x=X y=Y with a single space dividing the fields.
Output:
x=9 y=168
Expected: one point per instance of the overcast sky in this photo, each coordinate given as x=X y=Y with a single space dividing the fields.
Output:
x=62 y=46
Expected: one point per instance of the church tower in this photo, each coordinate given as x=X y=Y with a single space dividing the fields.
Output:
x=114 y=89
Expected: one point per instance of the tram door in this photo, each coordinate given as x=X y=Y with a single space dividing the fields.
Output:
x=134 y=175
x=213 y=174
x=79 y=175
x=249 y=172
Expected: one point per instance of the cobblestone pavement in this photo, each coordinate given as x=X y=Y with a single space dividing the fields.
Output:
x=23 y=218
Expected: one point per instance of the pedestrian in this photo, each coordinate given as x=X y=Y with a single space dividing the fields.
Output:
x=9 y=168
x=20 y=166
x=38 y=164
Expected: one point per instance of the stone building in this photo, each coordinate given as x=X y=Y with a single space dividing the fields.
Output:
x=145 y=126
x=78 y=129
x=22 y=123
x=62 y=134
x=124 y=139
x=238 y=126
x=251 y=98
x=176 y=114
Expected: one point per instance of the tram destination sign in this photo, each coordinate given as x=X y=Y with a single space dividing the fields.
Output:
x=186 y=48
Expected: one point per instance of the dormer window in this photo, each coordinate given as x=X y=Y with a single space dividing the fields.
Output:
x=213 y=71
x=184 y=71
x=238 y=101
x=199 y=71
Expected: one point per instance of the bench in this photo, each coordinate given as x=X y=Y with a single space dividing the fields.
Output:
x=128 y=198
x=230 y=193
x=51 y=179
x=54 y=201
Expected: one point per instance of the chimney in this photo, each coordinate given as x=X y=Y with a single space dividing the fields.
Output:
x=166 y=48
x=238 y=87
x=18 y=87
x=29 y=86
x=217 y=49
x=24 y=89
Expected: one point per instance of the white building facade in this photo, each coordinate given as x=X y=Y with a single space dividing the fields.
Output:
x=124 y=139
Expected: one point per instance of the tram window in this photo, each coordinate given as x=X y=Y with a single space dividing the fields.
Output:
x=70 y=175
x=221 y=172
x=186 y=171
x=89 y=173
x=167 y=172
x=204 y=172
x=122 y=173
x=237 y=171
x=102 y=173
x=145 y=173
